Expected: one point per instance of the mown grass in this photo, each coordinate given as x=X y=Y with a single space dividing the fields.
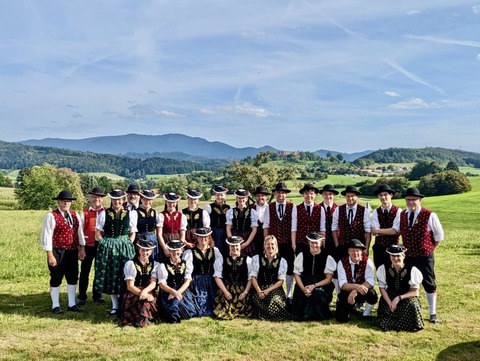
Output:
x=28 y=331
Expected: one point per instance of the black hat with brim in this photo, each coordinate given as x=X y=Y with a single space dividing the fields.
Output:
x=148 y=194
x=97 y=191
x=412 y=192
x=234 y=240
x=281 y=187
x=395 y=249
x=383 y=188
x=203 y=232
x=355 y=243
x=351 y=189
x=133 y=188
x=315 y=237
x=219 y=189
x=329 y=188
x=171 y=197
x=193 y=194
x=309 y=187
x=116 y=194
x=64 y=196
x=175 y=245
x=242 y=193
x=261 y=189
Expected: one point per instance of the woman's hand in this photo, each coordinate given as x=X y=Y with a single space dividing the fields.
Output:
x=228 y=296
x=242 y=296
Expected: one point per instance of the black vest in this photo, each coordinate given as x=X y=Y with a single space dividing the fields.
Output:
x=194 y=218
x=147 y=220
x=268 y=272
x=143 y=273
x=218 y=216
x=176 y=274
x=235 y=272
x=203 y=264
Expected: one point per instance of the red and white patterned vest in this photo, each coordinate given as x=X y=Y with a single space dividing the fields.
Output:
x=417 y=240
x=347 y=231
x=281 y=229
x=307 y=223
x=387 y=223
x=361 y=270
x=64 y=236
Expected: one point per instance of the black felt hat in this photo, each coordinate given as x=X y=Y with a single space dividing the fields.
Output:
x=148 y=194
x=412 y=192
x=219 y=189
x=329 y=188
x=383 y=188
x=281 y=187
x=194 y=194
x=203 y=232
x=309 y=187
x=175 y=244
x=171 y=197
x=351 y=189
x=234 y=240
x=133 y=188
x=147 y=241
x=394 y=249
x=261 y=189
x=242 y=193
x=116 y=193
x=315 y=237
x=97 y=191
x=355 y=243
x=64 y=196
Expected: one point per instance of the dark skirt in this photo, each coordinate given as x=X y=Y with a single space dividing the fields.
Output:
x=173 y=311
x=219 y=235
x=228 y=310
x=204 y=290
x=313 y=308
x=112 y=253
x=271 y=308
x=250 y=249
x=406 y=317
x=190 y=236
x=136 y=312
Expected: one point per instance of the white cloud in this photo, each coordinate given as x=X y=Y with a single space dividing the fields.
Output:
x=240 y=109
x=143 y=111
x=413 y=12
x=418 y=103
x=476 y=9
x=392 y=94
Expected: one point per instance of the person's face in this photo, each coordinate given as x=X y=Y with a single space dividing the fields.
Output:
x=397 y=259
x=280 y=196
x=145 y=253
x=147 y=203
x=220 y=198
x=355 y=254
x=261 y=199
x=413 y=202
x=328 y=197
x=202 y=241
x=192 y=203
x=64 y=205
x=133 y=198
x=309 y=196
x=234 y=250
x=270 y=246
x=175 y=254
x=242 y=201
x=315 y=247
x=171 y=206
x=117 y=203
x=95 y=201
x=385 y=198
x=351 y=199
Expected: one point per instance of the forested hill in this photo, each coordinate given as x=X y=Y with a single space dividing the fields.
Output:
x=413 y=155
x=17 y=156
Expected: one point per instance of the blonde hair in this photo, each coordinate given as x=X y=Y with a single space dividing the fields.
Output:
x=270 y=237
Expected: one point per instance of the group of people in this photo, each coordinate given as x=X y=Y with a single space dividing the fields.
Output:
x=271 y=261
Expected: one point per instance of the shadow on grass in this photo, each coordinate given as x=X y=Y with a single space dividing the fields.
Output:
x=461 y=351
x=39 y=305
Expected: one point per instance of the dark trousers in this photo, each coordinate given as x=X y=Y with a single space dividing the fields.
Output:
x=343 y=309
x=380 y=256
x=86 y=266
x=425 y=265
x=286 y=251
x=67 y=266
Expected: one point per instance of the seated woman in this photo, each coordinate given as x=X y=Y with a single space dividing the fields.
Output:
x=203 y=257
x=269 y=271
x=233 y=281
x=399 y=307
x=313 y=271
x=174 y=277
x=139 y=301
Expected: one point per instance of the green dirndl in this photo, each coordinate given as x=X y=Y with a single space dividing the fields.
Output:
x=112 y=254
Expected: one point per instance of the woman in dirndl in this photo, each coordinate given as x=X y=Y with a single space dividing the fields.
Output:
x=313 y=271
x=139 y=304
x=203 y=258
x=174 y=277
x=399 y=308
x=242 y=221
x=196 y=217
x=269 y=271
x=233 y=281
x=172 y=224
x=115 y=231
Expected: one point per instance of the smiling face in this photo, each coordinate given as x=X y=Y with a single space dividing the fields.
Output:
x=261 y=199
x=220 y=198
x=171 y=206
x=355 y=254
x=145 y=253
x=328 y=197
x=385 y=198
x=315 y=247
x=147 y=203
x=96 y=201
x=192 y=203
x=397 y=259
x=234 y=250
x=270 y=245
x=280 y=196
x=351 y=199
x=309 y=196
x=117 y=203
x=242 y=202
x=133 y=198
x=175 y=254
x=413 y=203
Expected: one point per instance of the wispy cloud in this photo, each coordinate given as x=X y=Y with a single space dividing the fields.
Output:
x=417 y=103
x=392 y=94
x=434 y=39
x=246 y=109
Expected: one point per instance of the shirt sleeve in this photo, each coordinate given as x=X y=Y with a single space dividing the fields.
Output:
x=255 y=266
x=416 y=278
x=254 y=218
x=367 y=223
x=396 y=221
x=436 y=227
x=81 y=235
x=160 y=219
x=208 y=208
x=249 y=267
x=298 y=264
x=381 y=277
x=342 y=276
x=229 y=216
x=282 y=270
x=188 y=268
x=330 y=266
x=155 y=270
x=323 y=226
x=370 y=273
x=46 y=238
x=129 y=271
x=218 y=264
x=294 y=218
x=205 y=219
x=375 y=222
x=100 y=221
x=187 y=256
x=266 y=217
x=335 y=219
x=133 y=215
x=162 y=274
x=183 y=222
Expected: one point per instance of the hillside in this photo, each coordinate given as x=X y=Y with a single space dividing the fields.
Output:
x=413 y=155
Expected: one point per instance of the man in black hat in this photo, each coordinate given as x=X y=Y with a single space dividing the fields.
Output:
x=356 y=279
x=421 y=232
x=261 y=207
x=328 y=207
x=281 y=221
x=89 y=221
x=385 y=225
x=308 y=218
x=133 y=198
x=351 y=221
x=63 y=240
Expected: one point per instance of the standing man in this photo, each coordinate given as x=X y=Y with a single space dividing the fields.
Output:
x=281 y=221
x=89 y=221
x=351 y=221
x=63 y=241
x=133 y=198
x=385 y=225
x=261 y=207
x=328 y=206
x=356 y=279
x=421 y=232
x=308 y=218
x=218 y=218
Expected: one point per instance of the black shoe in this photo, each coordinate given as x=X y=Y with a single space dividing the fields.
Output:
x=75 y=308
x=367 y=317
x=57 y=311
x=434 y=319
x=80 y=302
x=99 y=300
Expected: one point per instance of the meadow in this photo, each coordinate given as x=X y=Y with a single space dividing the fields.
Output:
x=29 y=331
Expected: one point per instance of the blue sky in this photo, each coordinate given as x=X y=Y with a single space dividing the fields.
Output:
x=338 y=75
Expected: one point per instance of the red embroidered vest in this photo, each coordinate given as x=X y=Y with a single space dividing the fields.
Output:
x=64 y=236
x=361 y=270
x=90 y=222
x=417 y=240
x=172 y=222
x=305 y=223
x=347 y=231
x=281 y=229
x=387 y=223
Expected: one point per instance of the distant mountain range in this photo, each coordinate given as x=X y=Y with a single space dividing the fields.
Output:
x=168 y=146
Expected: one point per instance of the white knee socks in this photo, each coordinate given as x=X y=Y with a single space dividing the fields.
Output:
x=55 y=295
x=289 y=281
x=432 y=303
x=71 y=292
x=114 y=301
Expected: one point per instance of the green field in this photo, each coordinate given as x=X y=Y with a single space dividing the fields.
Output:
x=28 y=330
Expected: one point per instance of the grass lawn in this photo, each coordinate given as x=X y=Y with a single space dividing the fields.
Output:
x=28 y=330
